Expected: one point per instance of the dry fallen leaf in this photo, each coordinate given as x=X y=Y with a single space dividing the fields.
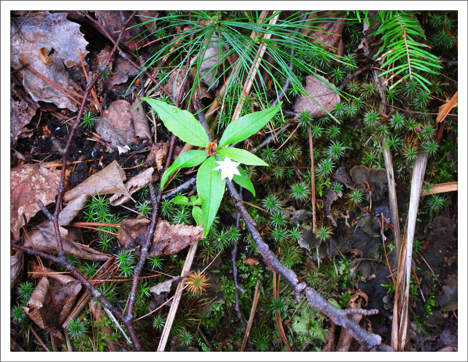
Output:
x=16 y=267
x=322 y=95
x=140 y=122
x=175 y=82
x=113 y=21
x=53 y=298
x=72 y=209
x=107 y=181
x=30 y=183
x=23 y=108
x=168 y=239
x=60 y=40
x=331 y=196
x=39 y=311
x=133 y=185
x=42 y=237
x=157 y=155
x=122 y=70
x=211 y=57
x=116 y=124
x=342 y=176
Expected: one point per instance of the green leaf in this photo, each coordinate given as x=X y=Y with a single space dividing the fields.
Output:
x=248 y=125
x=241 y=156
x=195 y=200
x=244 y=181
x=186 y=159
x=197 y=215
x=210 y=188
x=182 y=123
x=181 y=200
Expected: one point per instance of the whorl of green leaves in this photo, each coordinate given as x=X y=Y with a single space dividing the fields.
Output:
x=400 y=45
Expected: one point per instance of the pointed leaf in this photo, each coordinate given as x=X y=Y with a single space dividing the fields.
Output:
x=241 y=156
x=248 y=125
x=244 y=181
x=197 y=215
x=182 y=123
x=186 y=159
x=210 y=188
x=195 y=200
x=181 y=200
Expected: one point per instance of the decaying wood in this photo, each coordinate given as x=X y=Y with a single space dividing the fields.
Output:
x=441 y=188
x=400 y=311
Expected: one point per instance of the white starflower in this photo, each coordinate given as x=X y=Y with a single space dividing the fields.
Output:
x=228 y=168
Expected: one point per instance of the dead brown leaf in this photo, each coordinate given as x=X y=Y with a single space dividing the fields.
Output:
x=321 y=93
x=211 y=57
x=342 y=176
x=113 y=21
x=116 y=124
x=122 y=70
x=16 y=267
x=331 y=196
x=43 y=238
x=30 y=183
x=52 y=300
x=61 y=40
x=107 y=181
x=69 y=212
x=168 y=239
x=140 y=122
x=23 y=108
x=157 y=155
x=176 y=80
x=133 y=185
x=447 y=107
x=64 y=287
x=133 y=232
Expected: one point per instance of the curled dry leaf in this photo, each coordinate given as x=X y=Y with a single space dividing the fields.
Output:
x=133 y=185
x=176 y=80
x=162 y=290
x=42 y=237
x=23 y=108
x=30 y=183
x=122 y=70
x=16 y=267
x=113 y=21
x=116 y=124
x=331 y=196
x=168 y=239
x=39 y=311
x=72 y=209
x=321 y=93
x=211 y=57
x=59 y=40
x=107 y=181
x=52 y=300
x=65 y=288
x=140 y=122
x=157 y=155
x=344 y=343
x=342 y=176
x=376 y=178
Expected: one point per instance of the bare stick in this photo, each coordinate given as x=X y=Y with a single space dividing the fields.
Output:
x=441 y=188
